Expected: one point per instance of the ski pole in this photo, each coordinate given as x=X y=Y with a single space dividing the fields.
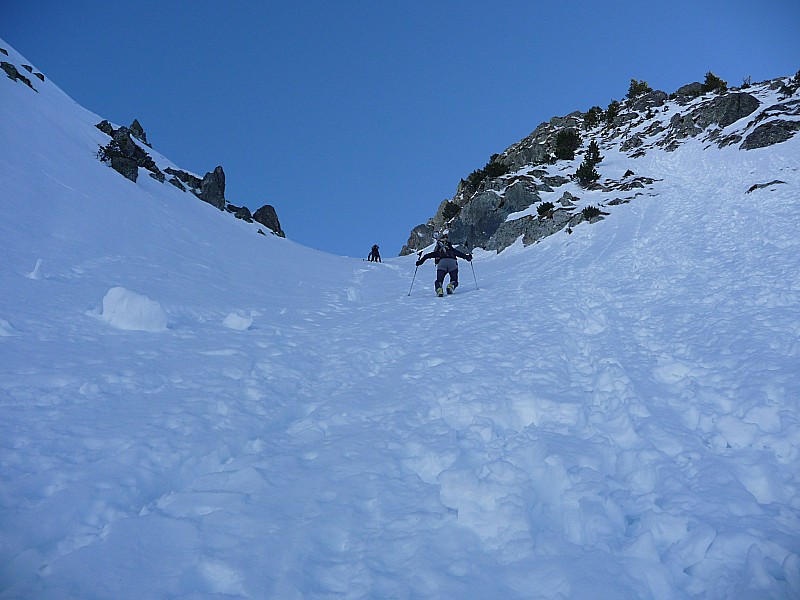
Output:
x=473 y=275
x=412 y=280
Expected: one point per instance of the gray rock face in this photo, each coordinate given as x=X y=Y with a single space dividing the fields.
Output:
x=138 y=132
x=649 y=101
x=689 y=91
x=721 y=111
x=726 y=110
x=192 y=182
x=126 y=156
x=127 y=167
x=106 y=128
x=770 y=133
x=267 y=216
x=14 y=75
x=240 y=212
x=421 y=236
x=212 y=188
x=531 y=229
x=477 y=214
x=485 y=213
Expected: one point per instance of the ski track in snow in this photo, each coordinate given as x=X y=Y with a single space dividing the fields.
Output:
x=611 y=414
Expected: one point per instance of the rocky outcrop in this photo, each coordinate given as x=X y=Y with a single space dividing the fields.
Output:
x=486 y=202
x=649 y=101
x=531 y=228
x=767 y=134
x=775 y=124
x=14 y=75
x=125 y=154
x=725 y=110
x=267 y=216
x=138 y=132
x=761 y=186
x=688 y=92
x=30 y=70
x=212 y=188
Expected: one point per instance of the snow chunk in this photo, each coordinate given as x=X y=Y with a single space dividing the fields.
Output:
x=128 y=310
x=238 y=321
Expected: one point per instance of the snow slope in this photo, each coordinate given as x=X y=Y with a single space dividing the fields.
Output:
x=191 y=410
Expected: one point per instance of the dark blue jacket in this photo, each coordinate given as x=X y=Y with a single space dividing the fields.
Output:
x=444 y=250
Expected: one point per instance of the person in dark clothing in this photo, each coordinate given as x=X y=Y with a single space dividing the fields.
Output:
x=445 y=256
x=374 y=254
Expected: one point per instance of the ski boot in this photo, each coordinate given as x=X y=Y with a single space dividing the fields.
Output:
x=439 y=292
x=450 y=288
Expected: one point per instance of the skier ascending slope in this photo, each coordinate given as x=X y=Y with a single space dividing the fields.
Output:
x=445 y=256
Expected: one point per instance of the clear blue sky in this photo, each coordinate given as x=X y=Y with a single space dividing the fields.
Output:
x=355 y=119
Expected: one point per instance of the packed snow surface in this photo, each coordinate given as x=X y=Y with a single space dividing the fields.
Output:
x=192 y=410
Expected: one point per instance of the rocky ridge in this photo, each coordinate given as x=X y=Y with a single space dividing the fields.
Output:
x=128 y=151
x=503 y=202
x=126 y=155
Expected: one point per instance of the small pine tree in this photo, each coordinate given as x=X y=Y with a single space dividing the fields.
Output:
x=593 y=156
x=637 y=88
x=592 y=118
x=612 y=111
x=714 y=84
x=789 y=89
x=590 y=212
x=111 y=150
x=451 y=209
x=544 y=208
x=492 y=170
x=586 y=174
x=567 y=141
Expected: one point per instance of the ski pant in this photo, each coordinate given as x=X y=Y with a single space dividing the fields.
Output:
x=446 y=266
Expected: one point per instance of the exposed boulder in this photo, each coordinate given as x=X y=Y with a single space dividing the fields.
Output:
x=649 y=101
x=531 y=228
x=124 y=155
x=212 y=188
x=633 y=141
x=176 y=182
x=106 y=128
x=137 y=131
x=421 y=237
x=759 y=186
x=192 y=182
x=267 y=216
x=15 y=75
x=770 y=133
x=125 y=166
x=725 y=110
x=30 y=70
x=567 y=200
x=688 y=91
x=240 y=212
x=478 y=220
x=680 y=127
